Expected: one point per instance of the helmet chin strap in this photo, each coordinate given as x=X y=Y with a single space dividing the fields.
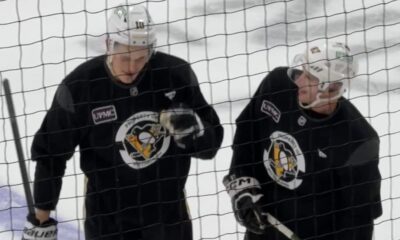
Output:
x=318 y=100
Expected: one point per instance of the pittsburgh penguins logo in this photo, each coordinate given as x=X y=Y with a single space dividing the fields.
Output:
x=142 y=140
x=284 y=160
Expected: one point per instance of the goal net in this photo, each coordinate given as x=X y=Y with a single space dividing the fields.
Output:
x=231 y=45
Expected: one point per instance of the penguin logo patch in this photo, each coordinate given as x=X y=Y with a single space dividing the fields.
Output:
x=284 y=159
x=142 y=140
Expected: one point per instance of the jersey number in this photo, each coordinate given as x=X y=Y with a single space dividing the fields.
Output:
x=139 y=24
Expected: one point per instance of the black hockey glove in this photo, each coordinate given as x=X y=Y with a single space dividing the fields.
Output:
x=245 y=193
x=33 y=230
x=183 y=124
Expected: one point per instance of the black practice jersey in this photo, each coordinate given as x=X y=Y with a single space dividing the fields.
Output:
x=136 y=173
x=319 y=174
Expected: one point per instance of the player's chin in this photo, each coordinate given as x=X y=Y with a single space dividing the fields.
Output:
x=127 y=79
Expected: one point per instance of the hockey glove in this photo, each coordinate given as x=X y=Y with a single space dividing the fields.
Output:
x=183 y=124
x=33 y=230
x=245 y=193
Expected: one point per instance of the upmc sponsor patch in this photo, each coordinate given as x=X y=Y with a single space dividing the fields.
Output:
x=104 y=114
x=270 y=109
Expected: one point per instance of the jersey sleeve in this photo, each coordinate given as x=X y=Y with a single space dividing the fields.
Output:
x=206 y=145
x=52 y=146
x=358 y=200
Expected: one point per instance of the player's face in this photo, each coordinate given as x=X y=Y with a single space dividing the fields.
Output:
x=308 y=87
x=309 y=92
x=128 y=61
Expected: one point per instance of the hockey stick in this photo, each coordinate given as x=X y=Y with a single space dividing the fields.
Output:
x=18 y=146
x=281 y=227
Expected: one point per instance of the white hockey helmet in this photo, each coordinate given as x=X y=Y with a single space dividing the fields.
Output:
x=131 y=25
x=331 y=63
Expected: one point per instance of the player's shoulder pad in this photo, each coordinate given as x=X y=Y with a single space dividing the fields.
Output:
x=181 y=70
x=74 y=83
x=276 y=80
x=64 y=98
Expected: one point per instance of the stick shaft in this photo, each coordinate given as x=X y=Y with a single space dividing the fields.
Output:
x=281 y=227
x=18 y=147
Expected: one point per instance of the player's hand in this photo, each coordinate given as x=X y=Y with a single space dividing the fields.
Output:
x=248 y=213
x=182 y=123
x=245 y=193
x=34 y=230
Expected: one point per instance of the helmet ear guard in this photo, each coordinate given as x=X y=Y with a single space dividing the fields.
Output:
x=332 y=64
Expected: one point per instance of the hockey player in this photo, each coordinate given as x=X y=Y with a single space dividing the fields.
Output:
x=304 y=155
x=138 y=116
